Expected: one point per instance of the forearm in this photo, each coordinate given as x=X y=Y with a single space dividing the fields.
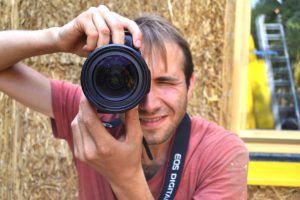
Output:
x=18 y=45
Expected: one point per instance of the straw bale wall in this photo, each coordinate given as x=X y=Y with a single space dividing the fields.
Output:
x=33 y=165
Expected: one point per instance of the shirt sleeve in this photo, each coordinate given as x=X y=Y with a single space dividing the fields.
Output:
x=225 y=175
x=65 y=103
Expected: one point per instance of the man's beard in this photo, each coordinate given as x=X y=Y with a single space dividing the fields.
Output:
x=154 y=137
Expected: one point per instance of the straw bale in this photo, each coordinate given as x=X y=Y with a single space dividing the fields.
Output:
x=273 y=193
x=4 y=15
x=33 y=165
x=204 y=31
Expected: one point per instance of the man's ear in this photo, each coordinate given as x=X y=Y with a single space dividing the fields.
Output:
x=191 y=86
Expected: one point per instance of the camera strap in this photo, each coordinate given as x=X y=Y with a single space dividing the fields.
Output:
x=177 y=157
x=176 y=160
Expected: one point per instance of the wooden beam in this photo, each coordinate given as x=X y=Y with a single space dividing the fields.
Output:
x=227 y=69
x=238 y=108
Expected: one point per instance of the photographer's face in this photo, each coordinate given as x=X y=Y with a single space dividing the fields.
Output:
x=165 y=105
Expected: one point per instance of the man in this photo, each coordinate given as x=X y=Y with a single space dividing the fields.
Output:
x=112 y=163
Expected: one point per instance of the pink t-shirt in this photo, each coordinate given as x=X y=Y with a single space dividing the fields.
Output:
x=215 y=165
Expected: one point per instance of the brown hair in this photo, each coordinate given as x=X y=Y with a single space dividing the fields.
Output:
x=156 y=31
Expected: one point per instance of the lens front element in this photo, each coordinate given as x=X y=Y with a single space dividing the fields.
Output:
x=115 y=77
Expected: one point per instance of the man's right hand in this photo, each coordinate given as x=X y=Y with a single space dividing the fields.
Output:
x=117 y=160
x=93 y=28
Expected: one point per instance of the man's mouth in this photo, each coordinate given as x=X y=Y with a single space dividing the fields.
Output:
x=151 y=121
x=156 y=119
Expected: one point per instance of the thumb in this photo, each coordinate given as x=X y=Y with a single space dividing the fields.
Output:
x=133 y=127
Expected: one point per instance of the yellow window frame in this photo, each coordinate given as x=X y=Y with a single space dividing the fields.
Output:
x=277 y=173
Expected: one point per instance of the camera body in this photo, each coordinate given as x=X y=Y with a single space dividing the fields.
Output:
x=115 y=78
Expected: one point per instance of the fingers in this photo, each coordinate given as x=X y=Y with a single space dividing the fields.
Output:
x=92 y=36
x=133 y=127
x=90 y=138
x=89 y=147
x=133 y=28
x=93 y=125
x=77 y=140
x=117 y=24
x=114 y=23
x=84 y=145
x=99 y=24
x=97 y=148
x=102 y=28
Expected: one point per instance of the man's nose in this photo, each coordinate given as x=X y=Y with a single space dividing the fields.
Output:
x=150 y=103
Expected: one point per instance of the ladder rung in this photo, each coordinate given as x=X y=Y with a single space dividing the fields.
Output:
x=284 y=95
x=278 y=59
x=273 y=26
x=280 y=70
x=274 y=37
x=282 y=83
x=275 y=47
x=265 y=53
x=285 y=109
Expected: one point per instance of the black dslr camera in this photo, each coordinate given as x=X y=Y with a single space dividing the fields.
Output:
x=115 y=78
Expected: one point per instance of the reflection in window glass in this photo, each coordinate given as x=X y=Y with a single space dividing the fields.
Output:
x=274 y=65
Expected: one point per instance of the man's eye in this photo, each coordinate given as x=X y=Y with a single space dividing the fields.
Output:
x=166 y=83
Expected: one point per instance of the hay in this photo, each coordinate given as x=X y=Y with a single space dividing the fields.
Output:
x=204 y=32
x=33 y=165
x=273 y=193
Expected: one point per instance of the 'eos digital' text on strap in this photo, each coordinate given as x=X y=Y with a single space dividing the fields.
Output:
x=176 y=162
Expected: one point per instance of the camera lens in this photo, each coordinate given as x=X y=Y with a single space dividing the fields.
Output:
x=115 y=77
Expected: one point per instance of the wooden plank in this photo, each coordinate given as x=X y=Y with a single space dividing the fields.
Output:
x=274 y=173
x=227 y=69
x=238 y=103
x=271 y=141
x=273 y=147
x=270 y=136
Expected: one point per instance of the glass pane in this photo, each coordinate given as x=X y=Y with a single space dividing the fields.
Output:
x=274 y=65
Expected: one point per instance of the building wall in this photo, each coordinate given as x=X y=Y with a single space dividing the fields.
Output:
x=33 y=165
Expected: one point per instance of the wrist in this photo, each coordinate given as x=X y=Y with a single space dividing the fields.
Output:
x=53 y=39
x=134 y=187
x=42 y=42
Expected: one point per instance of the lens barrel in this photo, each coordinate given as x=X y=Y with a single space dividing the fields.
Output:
x=115 y=78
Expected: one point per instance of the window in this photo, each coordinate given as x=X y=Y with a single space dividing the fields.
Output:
x=274 y=150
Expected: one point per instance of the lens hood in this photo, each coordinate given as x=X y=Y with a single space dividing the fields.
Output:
x=115 y=78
